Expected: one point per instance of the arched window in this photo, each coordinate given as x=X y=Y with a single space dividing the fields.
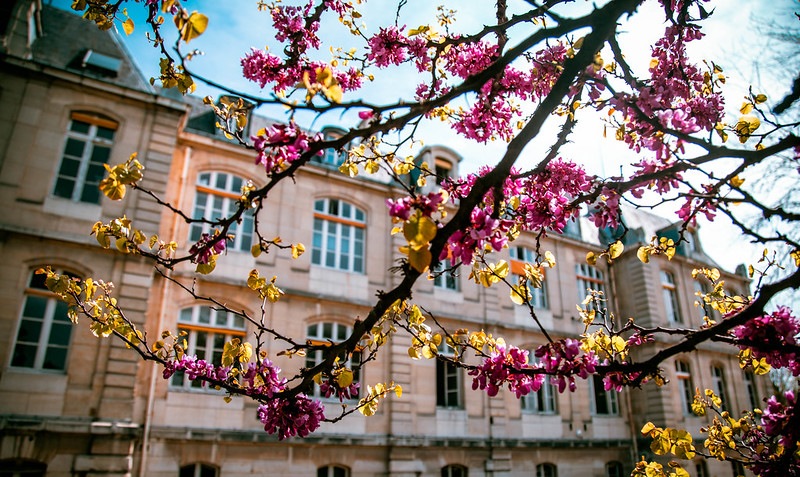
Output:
x=207 y=332
x=44 y=328
x=199 y=470
x=22 y=468
x=546 y=470
x=542 y=401
x=684 y=375
x=519 y=257
x=614 y=469
x=719 y=384
x=217 y=196
x=338 y=235
x=326 y=333
x=670 y=297
x=86 y=150
x=454 y=470
x=448 y=381
x=333 y=471
x=589 y=278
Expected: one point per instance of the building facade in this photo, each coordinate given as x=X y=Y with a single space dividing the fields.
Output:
x=71 y=404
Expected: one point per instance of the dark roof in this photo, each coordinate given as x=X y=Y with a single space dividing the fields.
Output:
x=67 y=37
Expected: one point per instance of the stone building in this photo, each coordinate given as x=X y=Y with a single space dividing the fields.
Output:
x=71 y=404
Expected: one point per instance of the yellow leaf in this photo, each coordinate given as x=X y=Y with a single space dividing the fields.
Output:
x=550 y=259
x=112 y=188
x=736 y=181
x=419 y=230
x=591 y=259
x=298 y=250
x=255 y=250
x=520 y=294
x=616 y=249
x=760 y=98
x=746 y=108
x=398 y=390
x=647 y=428
x=127 y=25
x=419 y=259
x=345 y=378
x=193 y=26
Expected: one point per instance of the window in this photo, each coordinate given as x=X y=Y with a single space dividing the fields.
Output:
x=443 y=170
x=588 y=278
x=454 y=470
x=519 y=257
x=198 y=470
x=752 y=390
x=338 y=235
x=443 y=277
x=684 y=375
x=572 y=229
x=542 y=401
x=333 y=471
x=614 y=469
x=718 y=381
x=217 y=197
x=670 y=298
x=44 y=329
x=448 y=382
x=208 y=331
x=604 y=402
x=701 y=469
x=87 y=149
x=737 y=468
x=701 y=288
x=326 y=333
x=546 y=470
x=331 y=156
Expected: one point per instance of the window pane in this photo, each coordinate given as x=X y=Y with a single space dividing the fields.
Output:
x=60 y=333
x=69 y=167
x=34 y=307
x=79 y=126
x=64 y=188
x=205 y=315
x=221 y=180
x=204 y=179
x=105 y=133
x=100 y=154
x=327 y=330
x=55 y=358
x=90 y=194
x=24 y=355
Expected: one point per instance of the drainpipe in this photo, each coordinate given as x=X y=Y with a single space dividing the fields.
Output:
x=148 y=417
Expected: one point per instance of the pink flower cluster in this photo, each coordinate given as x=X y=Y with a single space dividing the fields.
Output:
x=388 y=47
x=281 y=145
x=484 y=230
x=195 y=368
x=402 y=207
x=466 y=59
x=206 y=247
x=290 y=24
x=499 y=369
x=769 y=336
x=330 y=387
x=780 y=424
x=563 y=360
x=296 y=416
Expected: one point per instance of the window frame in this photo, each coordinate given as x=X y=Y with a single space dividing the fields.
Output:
x=90 y=140
x=330 y=470
x=586 y=275
x=720 y=384
x=235 y=327
x=545 y=400
x=683 y=372
x=614 y=468
x=519 y=257
x=546 y=469
x=52 y=305
x=445 y=280
x=752 y=388
x=610 y=398
x=228 y=196
x=342 y=224
x=444 y=390
x=339 y=333
x=455 y=470
x=669 y=291
x=198 y=469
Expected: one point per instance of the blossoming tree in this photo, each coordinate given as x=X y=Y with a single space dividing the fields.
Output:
x=529 y=66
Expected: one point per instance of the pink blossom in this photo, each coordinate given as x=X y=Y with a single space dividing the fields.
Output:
x=281 y=145
x=296 y=416
x=387 y=47
x=769 y=337
x=206 y=247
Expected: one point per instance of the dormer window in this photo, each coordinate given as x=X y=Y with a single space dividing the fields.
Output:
x=443 y=169
x=100 y=63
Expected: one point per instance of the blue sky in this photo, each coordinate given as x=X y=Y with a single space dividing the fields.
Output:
x=735 y=40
